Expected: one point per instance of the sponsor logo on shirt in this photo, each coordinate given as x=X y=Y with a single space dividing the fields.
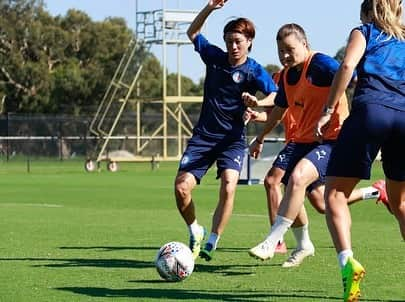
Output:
x=298 y=103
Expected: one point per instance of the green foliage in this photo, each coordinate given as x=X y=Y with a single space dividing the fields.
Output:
x=64 y=64
x=272 y=68
x=56 y=64
x=340 y=54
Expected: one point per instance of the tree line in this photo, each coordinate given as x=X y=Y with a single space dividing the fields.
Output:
x=63 y=64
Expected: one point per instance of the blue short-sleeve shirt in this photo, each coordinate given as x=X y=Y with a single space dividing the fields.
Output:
x=223 y=107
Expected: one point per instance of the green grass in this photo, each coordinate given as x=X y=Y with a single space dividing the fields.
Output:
x=68 y=235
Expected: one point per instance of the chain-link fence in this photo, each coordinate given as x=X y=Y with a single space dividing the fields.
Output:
x=65 y=137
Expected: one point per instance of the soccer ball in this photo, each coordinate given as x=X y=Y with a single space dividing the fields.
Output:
x=174 y=261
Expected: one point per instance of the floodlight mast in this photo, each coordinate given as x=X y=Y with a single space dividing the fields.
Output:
x=163 y=27
x=167 y=27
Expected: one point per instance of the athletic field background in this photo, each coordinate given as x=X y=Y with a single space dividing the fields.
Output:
x=69 y=235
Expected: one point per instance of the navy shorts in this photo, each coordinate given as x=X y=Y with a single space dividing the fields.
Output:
x=369 y=128
x=317 y=154
x=203 y=151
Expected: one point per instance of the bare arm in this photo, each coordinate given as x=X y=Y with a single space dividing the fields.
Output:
x=273 y=120
x=354 y=52
x=195 y=27
x=254 y=116
x=252 y=101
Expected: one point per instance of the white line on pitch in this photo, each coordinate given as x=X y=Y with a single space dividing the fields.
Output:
x=41 y=205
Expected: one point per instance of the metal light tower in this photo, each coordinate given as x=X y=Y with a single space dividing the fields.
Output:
x=163 y=27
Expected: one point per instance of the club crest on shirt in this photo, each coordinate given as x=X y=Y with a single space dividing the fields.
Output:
x=238 y=77
x=185 y=160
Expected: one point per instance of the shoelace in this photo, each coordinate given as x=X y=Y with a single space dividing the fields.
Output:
x=294 y=256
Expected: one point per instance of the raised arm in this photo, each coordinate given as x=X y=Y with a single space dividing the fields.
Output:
x=195 y=27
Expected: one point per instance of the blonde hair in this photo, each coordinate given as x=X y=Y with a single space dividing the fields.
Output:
x=387 y=15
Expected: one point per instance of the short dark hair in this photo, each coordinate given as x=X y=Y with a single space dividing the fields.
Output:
x=292 y=28
x=243 y=26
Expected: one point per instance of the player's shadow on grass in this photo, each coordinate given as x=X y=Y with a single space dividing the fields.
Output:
x=211 y=295
x=84 y=262
x=177 y=294
x=230 y=269
x=110 y=248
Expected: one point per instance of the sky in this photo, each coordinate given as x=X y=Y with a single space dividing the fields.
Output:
x=327 y=23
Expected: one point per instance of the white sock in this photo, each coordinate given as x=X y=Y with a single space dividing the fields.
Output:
x=213 y=240
x=282 y=238
x=370 y=193
x=194 y=228
x=280 y=227
x=301 y=235
x=343 y=256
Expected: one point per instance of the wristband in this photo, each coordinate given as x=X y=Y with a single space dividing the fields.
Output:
x=328 y=110
x=259 y=142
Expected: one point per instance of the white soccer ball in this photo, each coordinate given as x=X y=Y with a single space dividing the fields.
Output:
x=174 y=261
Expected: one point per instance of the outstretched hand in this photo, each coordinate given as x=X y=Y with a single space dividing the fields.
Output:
x=255 y=149
x=321 y=125
x=249 y=100
x=249 y=115
x=215 y=4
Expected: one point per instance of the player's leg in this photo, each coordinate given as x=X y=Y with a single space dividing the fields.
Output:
x=396 y=193
x=357 y=146
x=192 y=167
x=229 y=164
x=375 y=191
x=338 y=190
x=303 y=174
x=272 y=184
x=305 y=247
x=223 y=211
x=392 y=153
x=184 y=184
x=285 y=160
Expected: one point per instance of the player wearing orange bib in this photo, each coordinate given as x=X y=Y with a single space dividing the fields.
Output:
x=304 y=87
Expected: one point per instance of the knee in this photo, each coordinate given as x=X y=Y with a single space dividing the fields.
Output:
x=320 y=208
x=400 y=209
x=317 y=200
x=182 y=189
x=271 y=182
x=228 y=188
x=298 y=179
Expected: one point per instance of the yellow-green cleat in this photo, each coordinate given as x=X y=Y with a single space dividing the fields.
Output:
x=352 y=274
x=195 y=242
x=207 y=252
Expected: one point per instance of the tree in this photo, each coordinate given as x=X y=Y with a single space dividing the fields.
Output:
x=272 y=68
x=56 y=64
x=340 y=54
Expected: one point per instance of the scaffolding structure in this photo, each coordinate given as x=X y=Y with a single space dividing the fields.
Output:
x=163 y=27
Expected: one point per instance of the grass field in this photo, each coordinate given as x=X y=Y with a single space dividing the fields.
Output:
x=68 y=235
